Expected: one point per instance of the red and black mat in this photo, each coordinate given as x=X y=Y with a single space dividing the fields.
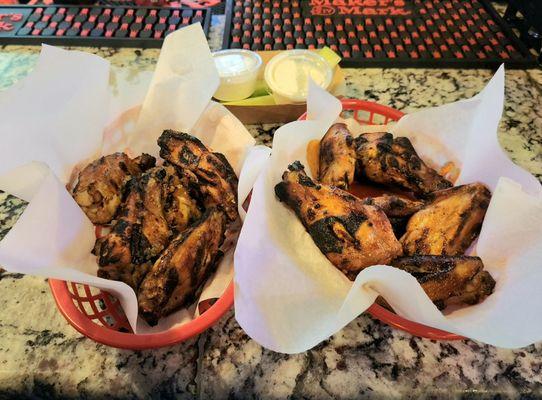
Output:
x=380 y=33
x=120 y=26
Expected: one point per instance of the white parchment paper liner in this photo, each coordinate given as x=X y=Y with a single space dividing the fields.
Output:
x=53 y=120
x=289 y=297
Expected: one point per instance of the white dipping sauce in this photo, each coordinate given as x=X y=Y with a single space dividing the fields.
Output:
x=288 y=73
x=238 y=72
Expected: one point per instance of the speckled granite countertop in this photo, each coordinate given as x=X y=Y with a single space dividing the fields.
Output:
x=41 y=356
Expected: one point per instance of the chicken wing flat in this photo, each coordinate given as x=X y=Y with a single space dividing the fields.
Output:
x=183 y=267
x=395 y=206
x=156 y=206
x=351 y=234
x=337 y=157
x=99 y=188
x=449 y=279
x=383 y=159
x=449 y=223
x=217 y=180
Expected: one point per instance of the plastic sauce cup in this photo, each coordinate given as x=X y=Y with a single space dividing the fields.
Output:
x=287 y=75
x=238 y=71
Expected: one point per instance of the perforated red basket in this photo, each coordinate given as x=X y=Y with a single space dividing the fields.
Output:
x=369 y=113
x=99 y=316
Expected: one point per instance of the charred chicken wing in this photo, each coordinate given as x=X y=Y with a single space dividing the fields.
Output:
x=156 y=206
x=99 y=188
x=449 y=223
x=351 y=234
x=182 y=268
x=337 y=157
x=217 y=180
x=395 y=206
x=383 y=159
x=398 y=210
x=449 y=279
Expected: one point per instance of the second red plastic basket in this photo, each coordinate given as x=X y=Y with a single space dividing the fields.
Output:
x=369 y=113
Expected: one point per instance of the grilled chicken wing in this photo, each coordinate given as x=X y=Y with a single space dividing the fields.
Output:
x=351 y=234
x=449 y=223
x=179 y=199
x=182 y=268
x=390 y=161
x=156 y=206
x=217 y=180
x=449 y=279
x=395 y=206
x=398 y=209
x=99 y=188
x=337 y=157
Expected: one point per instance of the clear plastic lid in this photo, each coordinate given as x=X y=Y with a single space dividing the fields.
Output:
x=288 y=73
x=234 y=63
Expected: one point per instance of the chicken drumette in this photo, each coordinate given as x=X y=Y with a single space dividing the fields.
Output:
x=337 y=157
x=383 y=159
x=99 y=188
x=187 y=262
x=216 y=179
x=449 y=223
x=351 y=234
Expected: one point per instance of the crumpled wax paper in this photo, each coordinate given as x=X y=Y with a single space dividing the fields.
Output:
x=54 y=120
x=289 y=297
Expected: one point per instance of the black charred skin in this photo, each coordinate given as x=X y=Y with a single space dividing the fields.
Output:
x=324 y=236
x=281 y=191
x=216 y=178
x=424 y=267
x=399 y=225
x=145 y=161
x=353 y=222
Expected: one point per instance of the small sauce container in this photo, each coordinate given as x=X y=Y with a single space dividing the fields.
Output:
x=238 y=71
x=287 y=75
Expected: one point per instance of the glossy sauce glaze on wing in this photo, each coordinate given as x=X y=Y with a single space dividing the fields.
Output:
x=449 y=279
x=337 y=157
x=99 y=188
x=216 y=179
x=449 y=223
x=394 y=161
x=183 y=267
x=351 y=234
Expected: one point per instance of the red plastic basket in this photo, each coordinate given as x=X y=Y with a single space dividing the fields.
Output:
x=99 y=316
x=369 y=113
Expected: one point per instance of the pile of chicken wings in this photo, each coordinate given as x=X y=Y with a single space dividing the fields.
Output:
x=166 y=223
x=425 y=232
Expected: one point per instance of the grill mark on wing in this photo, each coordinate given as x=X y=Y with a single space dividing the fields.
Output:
x=460 y=236
x=324 y=236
